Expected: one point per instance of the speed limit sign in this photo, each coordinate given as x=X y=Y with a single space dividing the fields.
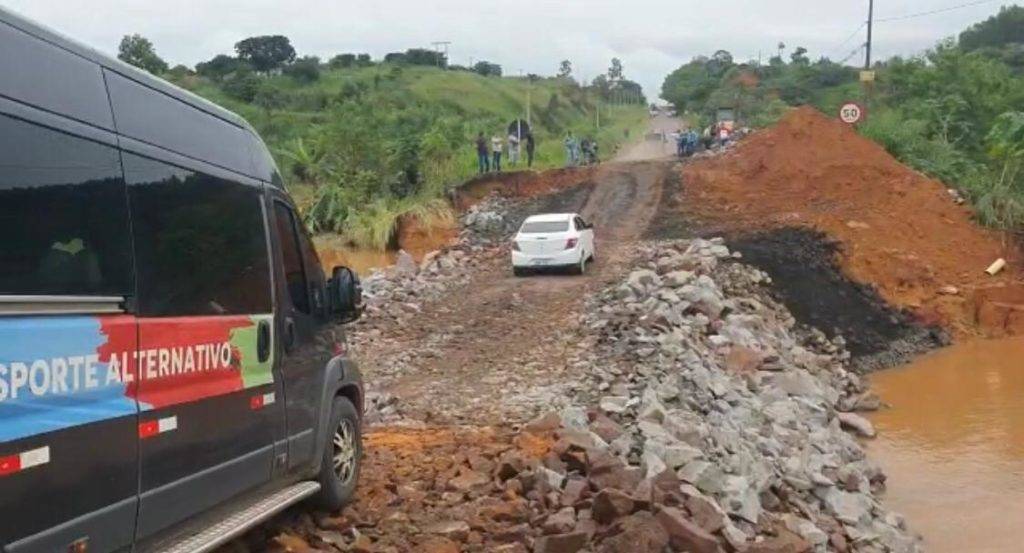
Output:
x=851 y=113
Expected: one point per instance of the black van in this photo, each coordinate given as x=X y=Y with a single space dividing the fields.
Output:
x=171 y=366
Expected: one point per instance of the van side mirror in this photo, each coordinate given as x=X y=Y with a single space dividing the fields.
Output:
x=345 y=295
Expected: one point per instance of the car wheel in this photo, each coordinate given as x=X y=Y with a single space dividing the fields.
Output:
x=343 y=456
x=581 y=268
x=519 y=271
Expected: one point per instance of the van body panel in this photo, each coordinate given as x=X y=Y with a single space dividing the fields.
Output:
x=162 y=120
x=46 y=35
x=44 y=75
x=68 y=429
x=160 y=354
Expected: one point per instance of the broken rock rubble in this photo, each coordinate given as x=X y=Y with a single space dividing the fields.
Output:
x=728 y=420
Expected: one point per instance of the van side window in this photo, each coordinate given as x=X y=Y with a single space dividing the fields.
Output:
x=63 y=214
x=200 y=244
x=291 y=254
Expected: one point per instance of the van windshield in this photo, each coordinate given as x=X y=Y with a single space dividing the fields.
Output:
x=538 y=227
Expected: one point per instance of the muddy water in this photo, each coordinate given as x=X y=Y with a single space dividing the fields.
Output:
x=953 y=445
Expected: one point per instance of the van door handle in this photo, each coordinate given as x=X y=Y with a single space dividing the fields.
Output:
x=289 y=333
x=263 y=341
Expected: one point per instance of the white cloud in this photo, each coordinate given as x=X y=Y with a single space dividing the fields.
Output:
x=652 y=37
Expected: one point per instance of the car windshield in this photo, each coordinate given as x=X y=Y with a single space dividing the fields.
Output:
x=536 y=227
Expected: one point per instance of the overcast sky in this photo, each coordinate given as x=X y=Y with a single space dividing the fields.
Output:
x=652 y=37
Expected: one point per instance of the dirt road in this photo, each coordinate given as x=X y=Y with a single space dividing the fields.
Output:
x=496 y=352
x=470 y=367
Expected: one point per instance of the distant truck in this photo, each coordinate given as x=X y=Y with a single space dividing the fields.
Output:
x=725 y=114
x=171 y=367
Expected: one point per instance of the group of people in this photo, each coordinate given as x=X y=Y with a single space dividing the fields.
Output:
x=579 y=152
x=687 y=142
x=489 y=152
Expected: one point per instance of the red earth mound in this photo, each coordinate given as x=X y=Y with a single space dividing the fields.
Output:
x=519 y=184
x=900 y=231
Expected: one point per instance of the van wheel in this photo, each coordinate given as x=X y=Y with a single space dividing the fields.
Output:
x=343 y=456
x=519 y=271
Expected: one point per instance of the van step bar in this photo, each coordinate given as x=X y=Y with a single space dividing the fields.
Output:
x=237 y=522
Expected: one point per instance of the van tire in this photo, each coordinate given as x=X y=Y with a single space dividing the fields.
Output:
x=344 y=426
x=519 y=271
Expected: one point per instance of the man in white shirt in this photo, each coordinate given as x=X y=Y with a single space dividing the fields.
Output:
x=497 y=146
x=513 y=150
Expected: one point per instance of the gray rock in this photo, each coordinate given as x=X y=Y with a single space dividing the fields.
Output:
x=740 y=499
x=857 y=423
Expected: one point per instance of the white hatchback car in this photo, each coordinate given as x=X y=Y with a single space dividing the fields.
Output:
x=553 y=240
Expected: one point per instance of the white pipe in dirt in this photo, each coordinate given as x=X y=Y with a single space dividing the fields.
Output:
x=997 y=266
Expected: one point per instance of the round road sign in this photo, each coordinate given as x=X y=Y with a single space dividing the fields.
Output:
x=851 y=113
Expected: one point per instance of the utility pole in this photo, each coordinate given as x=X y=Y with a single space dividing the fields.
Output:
x=871 y=18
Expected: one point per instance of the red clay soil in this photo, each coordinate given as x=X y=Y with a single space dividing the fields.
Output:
x=519 y=184
x=419 y=239
x=900 y=231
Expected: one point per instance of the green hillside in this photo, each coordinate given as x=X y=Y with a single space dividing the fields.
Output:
x=360 y=146
x=955 y=112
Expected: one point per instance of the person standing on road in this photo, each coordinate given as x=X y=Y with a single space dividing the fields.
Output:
x=497 y=146
x=513 y=149
x=482 y=155
x=571 y=152
x=530 y=145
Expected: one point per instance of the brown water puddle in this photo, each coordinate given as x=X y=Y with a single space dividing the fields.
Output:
x=953 y=445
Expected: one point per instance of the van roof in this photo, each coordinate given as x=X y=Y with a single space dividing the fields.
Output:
x=551 y=217
x=113 y=64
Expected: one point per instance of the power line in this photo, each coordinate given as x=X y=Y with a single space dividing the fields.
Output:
x=854 y=52
x=848 y=39
x=933 y=12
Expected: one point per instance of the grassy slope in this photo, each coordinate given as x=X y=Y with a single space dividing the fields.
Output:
x=480 y=103
x=477 y=98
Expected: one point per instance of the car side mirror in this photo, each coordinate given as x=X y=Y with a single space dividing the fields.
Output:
x=345 y=295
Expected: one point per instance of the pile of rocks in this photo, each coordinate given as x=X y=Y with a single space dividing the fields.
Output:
x=489 y=222
x=397 y=291
x=720 y=422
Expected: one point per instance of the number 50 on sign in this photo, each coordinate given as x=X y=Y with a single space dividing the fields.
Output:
x=851 y=113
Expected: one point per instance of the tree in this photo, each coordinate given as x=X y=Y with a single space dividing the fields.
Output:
x=487 y=68
x=363 y=60
x=342 y=60
x=999 y=30
x=615 y=71
x=305 y=69
x=422 y=56
x=394 y=57
x=138 y=51
x=180 y=71
x=799 y=56
x=688 y=86
x=720 y=62
x=220 y=66
x=565 y=69
x=266 y=53
x=602 y=85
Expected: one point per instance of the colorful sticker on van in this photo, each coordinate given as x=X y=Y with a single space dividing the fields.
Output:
x=59 y=372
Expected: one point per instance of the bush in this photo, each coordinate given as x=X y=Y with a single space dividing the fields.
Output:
x=906 y=139
x=304 y=70
x=342 y=61
x=242 y=85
